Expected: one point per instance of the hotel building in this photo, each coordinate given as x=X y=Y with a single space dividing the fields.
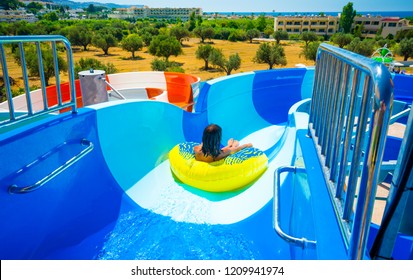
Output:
x=387 y=25
x=320 y=25
x=158 y=13
x=328 y=25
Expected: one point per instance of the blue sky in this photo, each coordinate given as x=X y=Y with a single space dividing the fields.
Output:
x=270 y=5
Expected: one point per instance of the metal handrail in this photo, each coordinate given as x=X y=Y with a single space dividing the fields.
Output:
x=399 y=115
x=396 y=206
x=301 y=242
x=37 y=40
x=349 y=116
x=120 y=95
x=14 y=189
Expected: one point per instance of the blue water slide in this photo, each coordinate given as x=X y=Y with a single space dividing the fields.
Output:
x=123 y=188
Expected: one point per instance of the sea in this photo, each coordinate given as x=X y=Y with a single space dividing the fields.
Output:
x=401 y=14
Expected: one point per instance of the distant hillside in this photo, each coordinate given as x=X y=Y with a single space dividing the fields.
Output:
x=74 y=5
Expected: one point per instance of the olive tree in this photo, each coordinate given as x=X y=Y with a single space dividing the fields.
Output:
x=132 y=43
x=180 y=33
x=280 y=35
x=252 y=33
x=204 y=52
x=32 y=61
x=105 y=39
x=405 y=48
x=308 y=37
x=272 y=54
x=218 y=59
x=342 y=39
x=165 y=46
x=310 y=51
x=80 y=35
x=204 y=32
x=364 y=47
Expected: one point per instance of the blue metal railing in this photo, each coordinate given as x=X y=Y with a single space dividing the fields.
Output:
x=349 y=116
x=8 y=43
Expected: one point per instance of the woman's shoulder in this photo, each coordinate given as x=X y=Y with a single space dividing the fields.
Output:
x=198 y=148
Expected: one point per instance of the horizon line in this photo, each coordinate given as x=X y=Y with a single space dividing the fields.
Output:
x=303 y=12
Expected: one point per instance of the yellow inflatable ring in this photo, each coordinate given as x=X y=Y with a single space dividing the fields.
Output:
x=233 y=172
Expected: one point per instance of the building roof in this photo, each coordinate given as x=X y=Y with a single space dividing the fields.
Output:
x=395 y=19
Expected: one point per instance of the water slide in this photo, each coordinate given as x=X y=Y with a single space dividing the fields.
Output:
x=124 y=202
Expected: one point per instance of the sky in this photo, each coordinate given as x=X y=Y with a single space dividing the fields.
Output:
x=270 y=5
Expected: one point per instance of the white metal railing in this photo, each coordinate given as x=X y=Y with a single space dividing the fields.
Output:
x=7 y=43
x=296 y=241
x=349 y=116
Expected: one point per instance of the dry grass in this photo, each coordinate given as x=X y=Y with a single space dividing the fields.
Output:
x=124 y=63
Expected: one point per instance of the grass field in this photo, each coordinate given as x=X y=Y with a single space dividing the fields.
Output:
x=188 y=61
x=123 y=61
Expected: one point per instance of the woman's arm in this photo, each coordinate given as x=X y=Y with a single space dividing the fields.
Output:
x=231 y=149
x=239 y=148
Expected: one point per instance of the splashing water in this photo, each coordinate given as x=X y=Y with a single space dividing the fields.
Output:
x=149 y=236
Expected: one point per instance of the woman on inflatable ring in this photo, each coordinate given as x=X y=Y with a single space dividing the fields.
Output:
x=209 y=167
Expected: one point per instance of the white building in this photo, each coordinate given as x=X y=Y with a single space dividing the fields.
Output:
x=158 y=13
x=16 y=15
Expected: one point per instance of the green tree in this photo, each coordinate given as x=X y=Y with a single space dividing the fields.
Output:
x=180 y=33
x=358 y=30
x=280 y=35
x=132 y=43
x=405 y=48
x=104 y=39
x=51 y=16
x=364 y=47
x=92 y=63
x=271 y=54
x=199 y=20
x=269 y=30
x=91 y=9
x=347 y=17
x=32 y=61
x=165 y=46
x=249 y=25
x=22 y=28
x=204 y=32
x=407 y=33
x=147 y=38
x=237 y=35
x=34 y=7
x=80 y=35
x=261 y=23
x=159 y=65
x=342 y=39
x=218 y=59
x=308 y=37
x=252 y=33
x=310 y=51
x=147 y=33
x=204 y=52
x=10 y=4
x=192 y=21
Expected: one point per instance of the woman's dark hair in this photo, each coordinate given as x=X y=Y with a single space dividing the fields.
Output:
x=211 y=140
